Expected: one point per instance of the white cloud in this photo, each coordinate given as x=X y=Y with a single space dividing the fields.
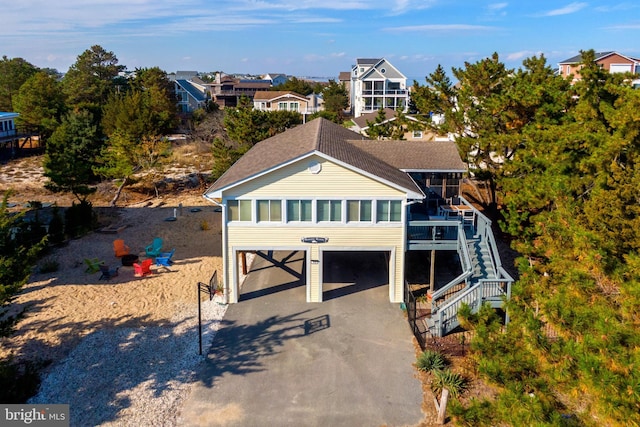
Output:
x=441 y=28
x=566 y=10
x=497 y=6
x=518 y=56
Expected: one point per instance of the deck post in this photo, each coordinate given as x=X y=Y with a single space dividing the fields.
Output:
x=432 y=271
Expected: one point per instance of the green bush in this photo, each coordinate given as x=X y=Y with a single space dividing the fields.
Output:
x=430 y=360
x=79 y=219
x=452 y=381
x=56 y=228
x=49 y=266
x=18 y=382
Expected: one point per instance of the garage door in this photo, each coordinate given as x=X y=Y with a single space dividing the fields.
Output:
x=350 y=272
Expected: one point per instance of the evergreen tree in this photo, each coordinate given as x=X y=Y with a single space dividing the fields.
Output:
x=71 y=155
x=13 y=73
x=40 y=103
x=91 y=80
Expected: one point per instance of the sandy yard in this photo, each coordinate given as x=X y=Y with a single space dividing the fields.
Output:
x=121 y=351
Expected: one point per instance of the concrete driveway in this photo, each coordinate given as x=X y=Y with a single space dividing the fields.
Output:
x=279 y=361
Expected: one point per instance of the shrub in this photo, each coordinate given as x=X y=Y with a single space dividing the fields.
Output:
x=18 y=382
x=56 y=228
x=79 y=219
x=452 y=381
x=430 y=360
x=49 y=266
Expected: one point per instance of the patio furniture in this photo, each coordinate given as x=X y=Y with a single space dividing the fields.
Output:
x=93 y=265
x=143 y=268
x=108 y=273
x=164 y=259
x=155 y=248
x=119 y=248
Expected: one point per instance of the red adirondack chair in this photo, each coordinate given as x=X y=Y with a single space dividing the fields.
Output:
x=143 y=268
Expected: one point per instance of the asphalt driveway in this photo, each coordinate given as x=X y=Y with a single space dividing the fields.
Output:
x=279 y=361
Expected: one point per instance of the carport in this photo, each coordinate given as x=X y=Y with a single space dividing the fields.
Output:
x=338 y=272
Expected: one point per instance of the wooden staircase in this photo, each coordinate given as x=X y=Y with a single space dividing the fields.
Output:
x=484 y=279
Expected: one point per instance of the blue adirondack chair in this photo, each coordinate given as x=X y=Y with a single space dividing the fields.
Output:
x=155 y=248
x=108 y=273
x=164 y=259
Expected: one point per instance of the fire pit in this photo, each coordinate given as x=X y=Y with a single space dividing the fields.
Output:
x=128 y=260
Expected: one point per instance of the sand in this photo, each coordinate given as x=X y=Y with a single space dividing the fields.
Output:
x=123 y=350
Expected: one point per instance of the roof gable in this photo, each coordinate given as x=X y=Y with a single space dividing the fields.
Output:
x=317 y=136
x=273 y=95
x=390 y=72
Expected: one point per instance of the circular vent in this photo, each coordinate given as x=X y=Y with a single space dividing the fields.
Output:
x=315 y=167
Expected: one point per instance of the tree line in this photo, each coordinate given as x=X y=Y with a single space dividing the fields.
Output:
x=558 y=162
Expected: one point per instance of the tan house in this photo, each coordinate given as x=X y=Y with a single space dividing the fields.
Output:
x=361 y=125
x=613 y=62
x=319 y=189
x=279 y=100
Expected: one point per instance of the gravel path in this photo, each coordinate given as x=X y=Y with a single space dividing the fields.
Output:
x=132 y=376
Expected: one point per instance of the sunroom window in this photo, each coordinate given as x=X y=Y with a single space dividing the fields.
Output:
x=359 y=210
x=388 y=210
x=269 y=210
x=239 y=210
x=329 y=210
x=299 y=210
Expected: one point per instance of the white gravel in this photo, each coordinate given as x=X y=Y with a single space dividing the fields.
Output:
x=133 y=377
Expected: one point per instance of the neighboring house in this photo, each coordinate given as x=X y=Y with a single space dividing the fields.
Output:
x=280 y=100
x=276 y=79
x=191 y=94
x=361 y=125
x=320 y=190
x=7 y=125
x=613 y=62
x=377 y=84
x=12 y=139
x=227 y=90
x=272 y=100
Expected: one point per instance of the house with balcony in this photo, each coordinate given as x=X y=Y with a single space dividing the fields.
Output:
x=376 y=84
x=319 y=190
x=227 y=90
x=611 y=61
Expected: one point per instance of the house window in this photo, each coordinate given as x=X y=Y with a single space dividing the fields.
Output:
x=294 y=106
x=282 y=106
x=329 y=210
x=299 y=210
x=359 y=210
x=389 y=211
x=417 y=134
x=269 y=210
x=239 y=210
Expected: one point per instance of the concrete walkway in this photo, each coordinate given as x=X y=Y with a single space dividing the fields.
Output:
x=279 y=361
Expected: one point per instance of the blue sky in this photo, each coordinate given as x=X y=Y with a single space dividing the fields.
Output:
x=313 y=37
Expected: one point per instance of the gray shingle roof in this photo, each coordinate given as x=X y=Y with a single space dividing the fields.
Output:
x=327 y=138
x=416 y=155
x=578 y=58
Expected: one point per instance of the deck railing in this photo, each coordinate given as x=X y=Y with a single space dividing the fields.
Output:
x=467 y=270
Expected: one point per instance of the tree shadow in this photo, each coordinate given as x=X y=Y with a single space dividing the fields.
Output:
x=238 y=349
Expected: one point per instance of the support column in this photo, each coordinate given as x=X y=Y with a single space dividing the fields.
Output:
x=432 y=271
